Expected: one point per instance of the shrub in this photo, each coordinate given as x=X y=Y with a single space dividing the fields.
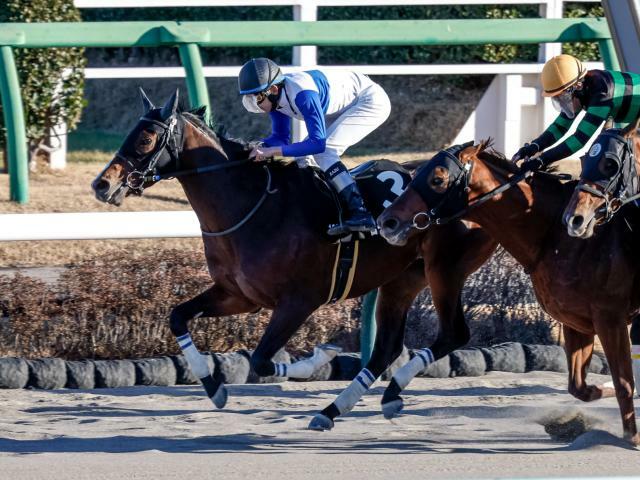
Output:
x=51 y=80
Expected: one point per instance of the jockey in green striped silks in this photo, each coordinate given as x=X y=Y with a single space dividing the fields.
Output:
x=603 y=94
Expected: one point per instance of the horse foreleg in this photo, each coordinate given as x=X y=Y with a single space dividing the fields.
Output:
x=615 y=342
x=579 y=349
x=286 y=319
x=213 y=302
x=394 y=301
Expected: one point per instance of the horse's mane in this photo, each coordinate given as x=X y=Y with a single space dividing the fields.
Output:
x=487 y=153
x=235 y=148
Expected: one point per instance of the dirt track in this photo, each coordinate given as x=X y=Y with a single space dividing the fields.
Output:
x=479 y=427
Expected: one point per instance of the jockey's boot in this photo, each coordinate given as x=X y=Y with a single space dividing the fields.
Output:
x=356 y=218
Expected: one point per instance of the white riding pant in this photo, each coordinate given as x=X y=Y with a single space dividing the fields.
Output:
x=368 y=112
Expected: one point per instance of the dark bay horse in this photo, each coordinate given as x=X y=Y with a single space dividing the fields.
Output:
x=265 y=244
x=590 y=286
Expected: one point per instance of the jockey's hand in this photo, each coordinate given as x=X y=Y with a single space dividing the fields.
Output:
x=531 y=165
x=261 y=153
x=529 y=150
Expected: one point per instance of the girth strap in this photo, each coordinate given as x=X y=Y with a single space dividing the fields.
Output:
x=344 y=270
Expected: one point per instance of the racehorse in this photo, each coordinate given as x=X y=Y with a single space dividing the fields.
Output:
x=264 y=235
x=590 y=286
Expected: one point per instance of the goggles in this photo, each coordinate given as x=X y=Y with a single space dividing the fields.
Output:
x=563 y=102
x=251 y=102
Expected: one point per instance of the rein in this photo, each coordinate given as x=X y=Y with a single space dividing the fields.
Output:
x=431 y=215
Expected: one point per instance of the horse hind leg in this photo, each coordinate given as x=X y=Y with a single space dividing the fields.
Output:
x=213 y=302
x=394 y=300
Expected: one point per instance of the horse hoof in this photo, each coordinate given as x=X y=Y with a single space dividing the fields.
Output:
x=219 y=399
x=320 y=423
x=392 y=408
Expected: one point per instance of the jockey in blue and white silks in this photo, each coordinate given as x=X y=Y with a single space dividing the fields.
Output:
x=339 y=108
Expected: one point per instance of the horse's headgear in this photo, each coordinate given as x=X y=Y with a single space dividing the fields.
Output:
x=609 y=164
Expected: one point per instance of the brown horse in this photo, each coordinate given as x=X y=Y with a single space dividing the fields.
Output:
x=265 y=244
x=590 y=286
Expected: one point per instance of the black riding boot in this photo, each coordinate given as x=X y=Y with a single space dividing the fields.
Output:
x=356 y=216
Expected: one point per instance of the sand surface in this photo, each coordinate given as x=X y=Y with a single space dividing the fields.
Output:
x=480 y=427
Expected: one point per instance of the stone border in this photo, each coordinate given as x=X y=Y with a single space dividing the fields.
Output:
x=55 y=373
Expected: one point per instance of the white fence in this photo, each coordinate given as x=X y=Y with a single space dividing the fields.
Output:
x=512 y=111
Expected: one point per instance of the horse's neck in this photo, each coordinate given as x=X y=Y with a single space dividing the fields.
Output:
x=220 y=198
x=520 y=219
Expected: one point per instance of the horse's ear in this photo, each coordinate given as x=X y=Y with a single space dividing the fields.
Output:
x=147 y=105
x=171 y=107
x=200 y=112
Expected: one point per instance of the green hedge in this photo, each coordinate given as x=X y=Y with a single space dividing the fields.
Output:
x=48 y=98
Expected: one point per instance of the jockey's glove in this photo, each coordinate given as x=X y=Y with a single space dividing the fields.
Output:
x=529 y=150
x=531 y=165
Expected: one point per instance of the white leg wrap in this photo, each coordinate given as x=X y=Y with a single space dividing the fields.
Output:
x=197 y=362
x=635 y=361
x=417 y=364
x=350 y=395
x=305 y=368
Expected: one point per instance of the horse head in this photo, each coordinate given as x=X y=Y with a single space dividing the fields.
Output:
x=153 y=144
x=438 y=192
x=609 y=176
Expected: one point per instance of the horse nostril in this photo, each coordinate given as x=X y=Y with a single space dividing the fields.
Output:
x=391 y=224
x=576 y=221
x=100 y=186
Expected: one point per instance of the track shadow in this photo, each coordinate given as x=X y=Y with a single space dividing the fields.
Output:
x=252 y=443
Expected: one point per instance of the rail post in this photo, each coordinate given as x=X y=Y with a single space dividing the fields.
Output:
x=12 y=107
x=368 y=326
x=196 y=82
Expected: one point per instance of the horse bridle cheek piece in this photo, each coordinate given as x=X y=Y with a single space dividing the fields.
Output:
x=168 y=145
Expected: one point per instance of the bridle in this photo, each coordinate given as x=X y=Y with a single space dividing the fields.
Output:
x=457 y=191
x=169 y=149
x=617 y=189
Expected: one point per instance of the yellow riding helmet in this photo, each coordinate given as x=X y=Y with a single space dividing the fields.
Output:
x=560 y=73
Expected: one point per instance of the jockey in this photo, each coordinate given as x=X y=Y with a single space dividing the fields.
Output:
x=339 y=109
x=603 y=94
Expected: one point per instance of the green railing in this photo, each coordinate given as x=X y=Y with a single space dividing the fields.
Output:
x=189 y=36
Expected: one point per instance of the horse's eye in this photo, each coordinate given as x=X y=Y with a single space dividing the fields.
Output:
x=145 y=142
x=437 y=181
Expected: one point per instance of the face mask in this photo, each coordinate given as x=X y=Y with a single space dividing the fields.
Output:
x=250 y=103
x=564 y=103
